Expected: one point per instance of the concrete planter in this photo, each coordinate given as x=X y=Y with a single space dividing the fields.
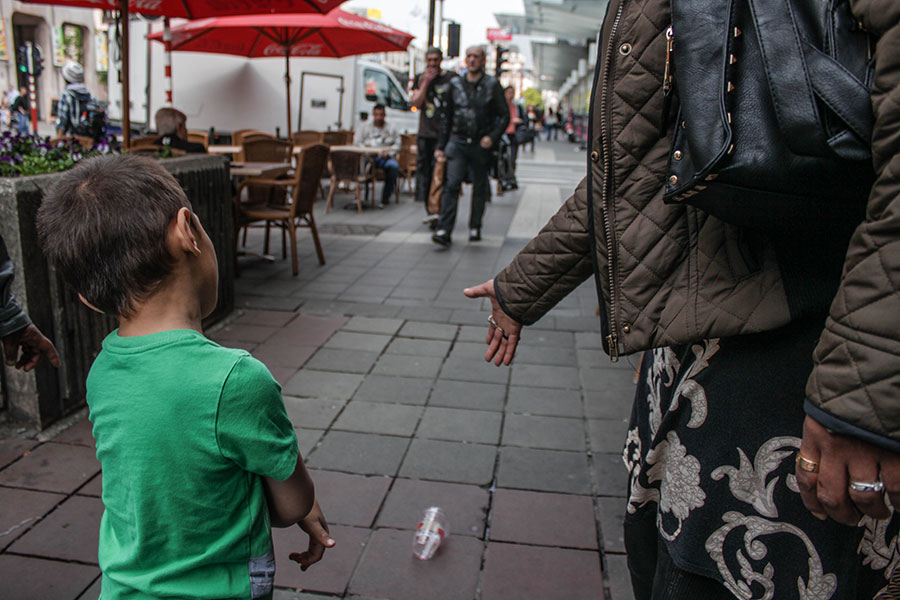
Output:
x=45 y=394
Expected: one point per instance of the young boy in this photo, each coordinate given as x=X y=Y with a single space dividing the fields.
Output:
x=199 y=458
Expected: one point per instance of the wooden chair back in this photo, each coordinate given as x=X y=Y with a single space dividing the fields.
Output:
x=308 y=177
x=337 y=138
x=266 y=149
x=199 y=137
x=307 y=136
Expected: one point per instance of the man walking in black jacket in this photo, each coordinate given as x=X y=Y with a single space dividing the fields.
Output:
x=475 y=117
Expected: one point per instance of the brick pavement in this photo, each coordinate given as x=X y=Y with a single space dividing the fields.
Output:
x=381 y=360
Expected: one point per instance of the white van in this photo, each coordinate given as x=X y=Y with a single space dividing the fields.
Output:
x=229 y=93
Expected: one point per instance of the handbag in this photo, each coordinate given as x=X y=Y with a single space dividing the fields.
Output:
x=433 y=203
x=775 y=121
x=523 y=134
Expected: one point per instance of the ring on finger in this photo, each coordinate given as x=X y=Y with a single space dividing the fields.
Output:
x=867 y=486
x=804 y=464
x=497 y=327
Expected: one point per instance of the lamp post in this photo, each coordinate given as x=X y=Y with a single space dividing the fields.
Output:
x=430 y=23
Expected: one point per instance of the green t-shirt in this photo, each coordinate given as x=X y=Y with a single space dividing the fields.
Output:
x=184 y=430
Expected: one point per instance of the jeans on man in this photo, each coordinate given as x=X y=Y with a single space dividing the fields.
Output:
x=391 y=168
x=424 y=167
x=465 y=157
x=20 y=122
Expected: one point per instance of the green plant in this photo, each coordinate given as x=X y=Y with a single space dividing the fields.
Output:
x=34 y=155
x=533 y=97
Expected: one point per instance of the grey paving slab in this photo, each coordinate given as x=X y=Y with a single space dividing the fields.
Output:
x=323 y=384
x=472 y=333
x=431 y=314
x=537 y=518
x=307 y=439
x=475 y=370
x=578 y=323
x=425 y=330
x=12 y=449
x=449 y=461
x=349 y=499
x=28 y=578
x=243 y=333
x=466 y=506
x=378 y=417
x=469 y=317
x=612 y=477
x=312 y=413
x=370 y=308
x=391 y=389
x=619 y=577
x=359 y=453
x=418 y=347
x=348 y=340
x=468 y=350
x=268 y=302
x=52 y=467
x=332 y=573
x=527 y=354
x=467 y=394
x=21 y=509
x=612 y=518
x=551 y=573
x=611 y=383
x=456 y=424
x=80 y=434
x=347 y=361
x=544 y=401
x=545 y=376
x=544 y=470
x=93 y=592
x=598 y=406
x=553 y=433
x=607 y=435
x=589 y=339
x=275 y=355
x=388 y=569
x=94 y=487
x=68 y=533
x=545 y=338
x=402 y=365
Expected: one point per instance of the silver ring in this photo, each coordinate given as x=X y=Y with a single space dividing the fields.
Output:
x=867 y=486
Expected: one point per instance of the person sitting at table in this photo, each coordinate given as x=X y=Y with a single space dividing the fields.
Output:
x=171 y=124
x=377 y=132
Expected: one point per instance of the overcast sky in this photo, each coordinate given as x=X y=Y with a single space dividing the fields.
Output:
x=475 y=16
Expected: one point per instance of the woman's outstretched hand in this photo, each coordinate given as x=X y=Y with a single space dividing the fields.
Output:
x=503 y=331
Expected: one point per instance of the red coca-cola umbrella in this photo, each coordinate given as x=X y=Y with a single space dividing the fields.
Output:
x=190 y=9
x=334 y=35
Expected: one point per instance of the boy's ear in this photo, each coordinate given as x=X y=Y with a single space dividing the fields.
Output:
x=181 y=232
x=89 y=305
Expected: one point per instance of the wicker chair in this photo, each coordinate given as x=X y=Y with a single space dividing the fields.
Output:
x=344 y=167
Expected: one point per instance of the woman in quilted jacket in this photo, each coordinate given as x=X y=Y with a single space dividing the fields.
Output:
x=764 y=445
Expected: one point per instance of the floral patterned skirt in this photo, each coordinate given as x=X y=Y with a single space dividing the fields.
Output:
x=710 y=450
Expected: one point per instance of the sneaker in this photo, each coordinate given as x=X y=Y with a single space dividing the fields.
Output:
x=442 y=237
x=430 y=219
x=475 y=235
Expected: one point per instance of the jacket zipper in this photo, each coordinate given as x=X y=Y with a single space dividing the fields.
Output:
x=612 y=340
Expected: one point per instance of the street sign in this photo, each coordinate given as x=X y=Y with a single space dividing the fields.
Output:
x=496 y=34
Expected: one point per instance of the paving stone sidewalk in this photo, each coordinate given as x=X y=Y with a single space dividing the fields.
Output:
x=381 y=361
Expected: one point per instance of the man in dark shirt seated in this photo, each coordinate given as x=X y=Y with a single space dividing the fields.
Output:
x=172 y=128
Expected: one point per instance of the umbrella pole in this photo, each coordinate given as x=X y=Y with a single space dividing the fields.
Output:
x=287 y=87
x=126 y=96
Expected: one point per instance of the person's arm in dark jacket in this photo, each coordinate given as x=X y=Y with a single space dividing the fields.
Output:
x=500 y=110
x=447 y=110
x=23 y=344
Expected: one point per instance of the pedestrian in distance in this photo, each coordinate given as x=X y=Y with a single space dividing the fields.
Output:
x=78 y=112
x=763 y=451
x=515 y=119
x=475 y=116
x=379 y=132
x=23 y=344
x=199 y=457
x=171 y=125
x=21 y=111
x=428 y=92
x=551 y=124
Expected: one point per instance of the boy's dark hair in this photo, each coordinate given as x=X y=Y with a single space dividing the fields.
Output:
x=104 y=225
x=378 y=106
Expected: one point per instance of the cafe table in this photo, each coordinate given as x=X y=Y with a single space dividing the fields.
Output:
x=223 y=149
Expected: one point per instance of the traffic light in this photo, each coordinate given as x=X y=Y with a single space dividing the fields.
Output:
x=22 y=58
x=37 y=60
x=452 y=40
x=502 y=58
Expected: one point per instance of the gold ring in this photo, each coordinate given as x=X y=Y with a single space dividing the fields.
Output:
x=804 y=464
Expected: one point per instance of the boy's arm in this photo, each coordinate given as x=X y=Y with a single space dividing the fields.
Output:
x=293 y=501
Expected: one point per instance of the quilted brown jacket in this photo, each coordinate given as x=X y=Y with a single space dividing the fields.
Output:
x=665 y=273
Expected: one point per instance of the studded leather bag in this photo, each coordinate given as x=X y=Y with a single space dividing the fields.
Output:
x=774 y=123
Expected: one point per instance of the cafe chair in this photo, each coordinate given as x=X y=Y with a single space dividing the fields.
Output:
x=344 y=167
x=337 y=138
x=306 y=137
x=407 y=161
x=199 y=137
x=241 y=135
x=303 y=189
x=259 y=190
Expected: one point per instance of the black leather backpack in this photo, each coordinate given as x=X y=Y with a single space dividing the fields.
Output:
x=774 y=124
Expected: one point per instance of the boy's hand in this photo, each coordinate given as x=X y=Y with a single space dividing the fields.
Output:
x=316 y=527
